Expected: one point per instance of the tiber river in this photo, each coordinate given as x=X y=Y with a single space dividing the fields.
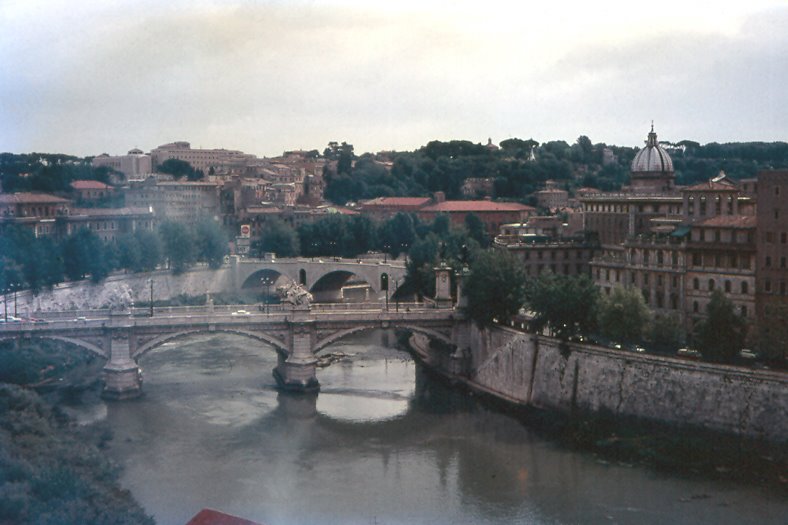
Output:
x=381 y=444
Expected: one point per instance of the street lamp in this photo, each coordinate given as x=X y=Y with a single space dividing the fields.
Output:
x=396 y=289
x=150 y=282
x=386 y=248
x=266 y=281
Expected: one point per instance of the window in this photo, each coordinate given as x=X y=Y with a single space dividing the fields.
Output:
x=645 y=279
x=695 y=284
x=727 y=287
x=743 y=311
x=659 y=280
x=711 y=285
x=783 y=237
x=770 y=237
x=744 y=287
x=767 y=285
x=695 y=306
x=782 y=287
x=768 y=261
x=782 y=262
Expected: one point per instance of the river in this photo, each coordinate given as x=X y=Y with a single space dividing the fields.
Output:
x=382 y=443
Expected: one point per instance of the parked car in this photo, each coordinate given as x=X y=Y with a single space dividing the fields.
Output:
x=241 y=312
x=688 y=353
x=746 y=353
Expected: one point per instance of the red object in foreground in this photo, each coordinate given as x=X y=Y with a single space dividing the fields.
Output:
x=214 y=517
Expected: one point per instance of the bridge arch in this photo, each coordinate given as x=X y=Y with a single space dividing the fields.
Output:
x=336 y=336
x=255 y=279
x=85 y=345
x=279 y=346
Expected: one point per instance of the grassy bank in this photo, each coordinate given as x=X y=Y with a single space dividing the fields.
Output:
x=52 y=471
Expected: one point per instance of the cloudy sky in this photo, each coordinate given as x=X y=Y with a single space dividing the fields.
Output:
x=85 y=77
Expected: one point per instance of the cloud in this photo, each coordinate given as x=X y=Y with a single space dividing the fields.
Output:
x=264 y=77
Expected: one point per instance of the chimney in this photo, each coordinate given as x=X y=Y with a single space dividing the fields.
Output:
x=438 y=197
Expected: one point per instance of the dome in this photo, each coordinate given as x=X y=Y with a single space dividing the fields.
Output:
x=652 y=158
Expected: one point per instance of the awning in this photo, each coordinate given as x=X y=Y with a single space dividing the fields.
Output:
x=681 y=231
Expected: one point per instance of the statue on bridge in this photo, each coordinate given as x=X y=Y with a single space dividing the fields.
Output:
x=294 y=294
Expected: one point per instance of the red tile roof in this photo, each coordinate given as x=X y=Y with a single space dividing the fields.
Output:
x=396 y=201
x=729 y=221
x=30 y=198
x=214 y=517
x=476 y=206
x=89 y=185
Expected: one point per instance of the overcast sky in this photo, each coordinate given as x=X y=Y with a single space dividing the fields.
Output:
x=84 y=78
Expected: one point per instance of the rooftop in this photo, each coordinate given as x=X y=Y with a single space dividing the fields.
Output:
x=729 y=221
x=26 y=197
x=471 y=206
x=89 y=185
x=396 y=201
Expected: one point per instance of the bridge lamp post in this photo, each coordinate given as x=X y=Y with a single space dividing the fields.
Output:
x=396 y=297
x=5 y=299
x=16 y=287
x=150 y=282
x=386 y=248
x=266 y=281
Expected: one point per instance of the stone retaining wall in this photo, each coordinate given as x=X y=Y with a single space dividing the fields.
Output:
x=84 y=295
x=533 y=370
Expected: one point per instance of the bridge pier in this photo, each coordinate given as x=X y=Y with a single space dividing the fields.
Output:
x=297 y=372
x=122 y=376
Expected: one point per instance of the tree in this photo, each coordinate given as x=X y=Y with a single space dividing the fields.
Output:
x=623 y=315
x=495 y=288
x=211 y=242
x=129 y=252
x=179 y=245
x=666 y=332
x=279 y=238
x=178 y=169
x=84 y=254
x=150 y=248
x=422 y=258
x=565 y=304
x=476 y=229
x=721 y=335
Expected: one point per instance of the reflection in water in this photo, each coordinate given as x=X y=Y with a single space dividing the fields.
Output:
x=381 y=443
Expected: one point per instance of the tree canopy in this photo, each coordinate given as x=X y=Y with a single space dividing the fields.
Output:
x=495 y=287
x=721 y=335
x=624 y=315
x=564 y=304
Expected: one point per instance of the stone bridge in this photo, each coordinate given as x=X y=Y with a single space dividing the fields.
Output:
x=323 y=277
x=297 y=333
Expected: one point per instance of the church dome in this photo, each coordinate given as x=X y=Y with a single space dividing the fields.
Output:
x=652 y=158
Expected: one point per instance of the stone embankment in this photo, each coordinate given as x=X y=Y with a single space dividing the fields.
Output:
x=84 y=295
x=531 y=370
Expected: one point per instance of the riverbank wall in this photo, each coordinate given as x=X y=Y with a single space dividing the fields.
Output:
x=84 y=295
x=532 y=370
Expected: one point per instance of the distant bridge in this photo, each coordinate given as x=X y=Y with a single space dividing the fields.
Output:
x=297 y=333
x=324 y=277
